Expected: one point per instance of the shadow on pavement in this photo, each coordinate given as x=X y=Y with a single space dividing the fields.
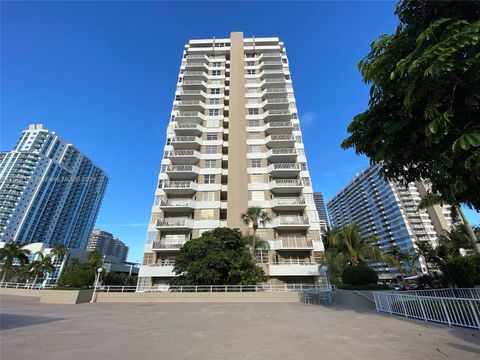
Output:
x=12 y=321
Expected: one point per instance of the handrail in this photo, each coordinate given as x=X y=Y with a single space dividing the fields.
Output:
x=216 y=288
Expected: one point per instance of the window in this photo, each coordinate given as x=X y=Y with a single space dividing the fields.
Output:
x=213 y=112
x=256 y=163
x=212 y=136
x=255 y=148
x=252 y=111
x=215 y=91
x=298 y=139
x=209 y=164
x=216 y=64
x=258 y=195
x=251 y=72
x=253 y=123
x=207 y=214
x=249 y=56
x=208 y=196
x=209 y=179
x=254 y=135
x=257 y=178
x=215 y=101
x=294 y=116
x=216 y=73
x=211 y=149
x=303 y=166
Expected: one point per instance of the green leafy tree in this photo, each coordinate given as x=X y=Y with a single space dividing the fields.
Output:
x=425 y=250
x=94 y=260
x=422 y=121
x=256 y=216
x=218 y=257
x=11 y=252
x=359 y=275
x=347 y=247
x=404 y=258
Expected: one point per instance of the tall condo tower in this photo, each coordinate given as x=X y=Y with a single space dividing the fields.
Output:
x=49 y=191
x=389 y=211
x=233 y=142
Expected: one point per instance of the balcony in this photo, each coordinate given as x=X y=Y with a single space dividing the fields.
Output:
x=280 y=141
x=276 y=104
x=177 y=205
x=175 y=224
x=271 y=64
x=184 y=157
x=192 y=94
x=196 y=66
x=293 y=269
x=197 y=59
x=194 y=85
x=286 y=186
x=273 y=82
x=277 y=115
x=185 y=188
x=191 y=117
x=274 y=93
x=163 y=246
x=182 y=172
x=278 y=127
x=186 y=142
x=191 y=105
x=188 y=129
x=288 y=203
x=195 y=75
x=286 y=170
x=282 y=155
x=290 y=223
x=269 y=73
x=295 y=243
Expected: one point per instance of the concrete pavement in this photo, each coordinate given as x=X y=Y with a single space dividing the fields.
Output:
x=227 y=331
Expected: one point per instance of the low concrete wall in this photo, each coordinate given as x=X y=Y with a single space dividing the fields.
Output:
x=203 y=297
x=52 y=296
x=355 y=298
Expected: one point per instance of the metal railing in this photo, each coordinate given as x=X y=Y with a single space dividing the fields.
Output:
x=287 y=182
x=163 y=245
x=179 y=184
x=173 y=222
x=181 y=168
x=177 y=202
x=297 y=243
x=277 y=124
x=215 y=288
x=185 y=138
x=289 y=200
x=14 y=285
x=284 y=151
x=183 y=153
x=280 y=137
x=278 y=112
x=285 y=166
x=456 y=311
x=466 y=293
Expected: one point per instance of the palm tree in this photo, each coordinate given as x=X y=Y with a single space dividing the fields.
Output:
x=256 y=216
x=425 y=250
x=11 y=252
x=94 y=260
x=40 y=266
x=58 y=251
x=347 y=247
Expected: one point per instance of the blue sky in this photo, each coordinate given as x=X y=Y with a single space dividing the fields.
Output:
x=103 y=74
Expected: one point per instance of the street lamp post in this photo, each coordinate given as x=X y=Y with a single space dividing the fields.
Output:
x=97 y=278
x=324 y=269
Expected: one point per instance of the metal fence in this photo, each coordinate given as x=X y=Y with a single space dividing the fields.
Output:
x=214 y=288
x=435 y=305
x=13 y=285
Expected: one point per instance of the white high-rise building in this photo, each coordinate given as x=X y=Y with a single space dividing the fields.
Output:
x=49 y=191
x=390 y=212
x=234 y=141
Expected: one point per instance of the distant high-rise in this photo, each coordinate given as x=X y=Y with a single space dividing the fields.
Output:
x=104 y=242
x=49 y=191
x=233 y=142
x=389 y=211
x=321 y=210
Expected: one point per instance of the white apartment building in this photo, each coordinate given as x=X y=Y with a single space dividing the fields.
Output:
x=390 y=212
x=234 y=141
x=49 y=191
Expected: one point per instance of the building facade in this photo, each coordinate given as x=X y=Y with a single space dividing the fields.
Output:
x=390 y=212
x=114 y=250
x=321 y=210
x=49 y=191
x=234 y=141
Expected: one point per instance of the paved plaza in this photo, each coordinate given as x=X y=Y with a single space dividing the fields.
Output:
x=31 y=330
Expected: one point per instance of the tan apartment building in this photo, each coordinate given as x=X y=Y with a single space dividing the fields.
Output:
x=234 y=141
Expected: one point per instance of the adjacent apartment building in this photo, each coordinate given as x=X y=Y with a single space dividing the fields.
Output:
x=234 y=141
x=321 y=210
x=389 y=211
x=114 y=250
x=49 y=191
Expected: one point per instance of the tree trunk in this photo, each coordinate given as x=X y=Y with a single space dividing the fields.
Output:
x=470 y=232
x=4 y=275
x=254 y=241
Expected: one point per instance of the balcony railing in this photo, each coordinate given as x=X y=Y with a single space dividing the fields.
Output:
x=278 y=112
x=192 y=92
x=163 y=245
x=287 y=182
x=182 y=168
x=281 y=137
x=289 y=201
x=179 y=184
x=177 y=202
x=190 y=102
x=277 y=101
x=279 y=124
x=285 y=220
x=193 y=82
x=297 y=243
x=186 y=153
x=185 y=138
x=285 y=166
x=274 y=81
x=284 y=151
x=174 y=222
x=186 y=125
x=194 y=73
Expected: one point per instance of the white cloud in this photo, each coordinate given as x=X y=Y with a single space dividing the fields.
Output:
x=308 y=118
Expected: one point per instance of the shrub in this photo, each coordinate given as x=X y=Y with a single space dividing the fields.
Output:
x=78 y=278
x=359 y=275
x=459 y=271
